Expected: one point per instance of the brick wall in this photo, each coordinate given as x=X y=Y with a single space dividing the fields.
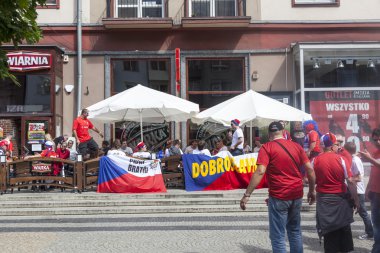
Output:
x=10 y=126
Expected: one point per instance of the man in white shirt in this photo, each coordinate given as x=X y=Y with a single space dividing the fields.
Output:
x=193 y=146
x=124 y=147
x=237 y=139
x=357 y=170
x=141 y=151
x=201 y=149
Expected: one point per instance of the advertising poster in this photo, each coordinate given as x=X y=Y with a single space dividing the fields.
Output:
x=36 y=132
x=352 y=114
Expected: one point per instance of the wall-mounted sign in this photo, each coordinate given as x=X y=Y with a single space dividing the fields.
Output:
x=352 y=114
x=28 y=61
x=36 y=132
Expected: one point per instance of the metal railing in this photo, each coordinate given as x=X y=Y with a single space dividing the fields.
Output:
x=139 y=8
x=158 y=9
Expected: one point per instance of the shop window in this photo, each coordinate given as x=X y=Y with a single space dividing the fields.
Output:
x=212 y=8
x=140 y=8
x=220 y=66
x=158 y=65
x=131 y=66
x=211 y=81
x=303 y=3
x=32 y=96
x=153 y=73
x=324 y=72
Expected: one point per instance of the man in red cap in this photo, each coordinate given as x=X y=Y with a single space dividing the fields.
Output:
x=334 y=208
x=237 y=138
x=141 y=152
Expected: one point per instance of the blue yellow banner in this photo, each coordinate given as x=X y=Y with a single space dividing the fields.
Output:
x=222 y=172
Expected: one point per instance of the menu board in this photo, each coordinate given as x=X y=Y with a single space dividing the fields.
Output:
x=36 y=132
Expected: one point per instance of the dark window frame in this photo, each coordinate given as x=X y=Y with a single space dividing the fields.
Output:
x=239 y=8
x=335 y=4
x=51 y=6
x=214 y=92
x=130 y=65
x=169 y=69
x=114 y=10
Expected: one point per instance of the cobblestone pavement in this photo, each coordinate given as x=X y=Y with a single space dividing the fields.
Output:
x=188 y=233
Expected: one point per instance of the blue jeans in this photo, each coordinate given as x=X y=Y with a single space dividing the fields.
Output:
x=285 y=215
x=375 y=214
x=365 y=216
x=236 y=152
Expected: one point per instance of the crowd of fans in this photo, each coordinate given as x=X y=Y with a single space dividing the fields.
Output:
x=334 y=169
x=335 y=175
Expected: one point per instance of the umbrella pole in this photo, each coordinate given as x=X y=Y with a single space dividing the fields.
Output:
x=250 y=134
x=141 y=126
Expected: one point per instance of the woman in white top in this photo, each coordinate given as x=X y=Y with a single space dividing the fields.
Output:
x=141 y=152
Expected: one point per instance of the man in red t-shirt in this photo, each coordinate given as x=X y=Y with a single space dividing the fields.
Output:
x=373 y=187
x=7 y=141
x=281 y=159
x=312 y=143
x=81 y=126
x=49 y=152
x=63 y=153
x=334 y=210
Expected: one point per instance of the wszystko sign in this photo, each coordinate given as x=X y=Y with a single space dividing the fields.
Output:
x=28 y=61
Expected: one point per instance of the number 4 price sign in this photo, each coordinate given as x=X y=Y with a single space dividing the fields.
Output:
x=352 y=114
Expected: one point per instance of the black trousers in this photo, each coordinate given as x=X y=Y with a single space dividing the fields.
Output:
x=87 y=147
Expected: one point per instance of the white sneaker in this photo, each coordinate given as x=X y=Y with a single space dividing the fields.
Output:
x=365 y=237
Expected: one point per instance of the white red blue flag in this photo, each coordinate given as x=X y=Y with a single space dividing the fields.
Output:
x=118 y=174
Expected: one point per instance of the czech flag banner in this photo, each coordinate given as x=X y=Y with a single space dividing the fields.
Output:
x=222 y=172
x=119 y=174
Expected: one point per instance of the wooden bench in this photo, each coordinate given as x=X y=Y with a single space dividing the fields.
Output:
x=22 y=174
x=172 y=172
x=91 y=173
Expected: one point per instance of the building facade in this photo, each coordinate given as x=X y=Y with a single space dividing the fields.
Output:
x=322 y=56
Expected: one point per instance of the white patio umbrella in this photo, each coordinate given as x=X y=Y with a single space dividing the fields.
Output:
x=250 y=108
x=142 y=104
